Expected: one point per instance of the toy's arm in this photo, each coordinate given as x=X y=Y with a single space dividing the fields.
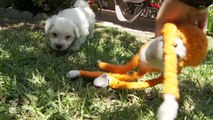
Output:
x=163 y=53
x=120 y=69
x=168 y=109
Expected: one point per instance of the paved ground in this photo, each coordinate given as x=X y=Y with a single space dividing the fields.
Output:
x=139 y=24
x=142 y=28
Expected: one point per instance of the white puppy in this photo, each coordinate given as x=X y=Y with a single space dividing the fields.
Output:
x=71 y=26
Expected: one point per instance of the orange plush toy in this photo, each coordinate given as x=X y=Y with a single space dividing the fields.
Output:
x=179 y=46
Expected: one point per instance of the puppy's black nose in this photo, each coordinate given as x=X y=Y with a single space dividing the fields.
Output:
x=58 y=46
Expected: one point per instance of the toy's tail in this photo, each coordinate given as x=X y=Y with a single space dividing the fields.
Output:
x=120 y=69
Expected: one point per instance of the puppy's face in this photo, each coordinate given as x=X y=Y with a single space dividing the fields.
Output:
x=59 y=40
x=61 y=32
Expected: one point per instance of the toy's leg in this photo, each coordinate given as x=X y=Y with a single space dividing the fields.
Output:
x=128 y=77
x=117 y=84
x=117 y=81
x=121 y=69
x=168 y=109
x=99 y=82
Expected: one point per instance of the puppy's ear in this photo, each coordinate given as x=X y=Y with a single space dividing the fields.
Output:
x=76 y=31
x=49 y=24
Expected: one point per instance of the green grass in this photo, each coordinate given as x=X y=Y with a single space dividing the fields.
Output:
x=33 y=83
x=210 y=20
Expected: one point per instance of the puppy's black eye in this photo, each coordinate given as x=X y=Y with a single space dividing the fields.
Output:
x=54 y=35
x=67 y=37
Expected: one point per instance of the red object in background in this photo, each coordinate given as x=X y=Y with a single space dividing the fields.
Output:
x=157 y=6
x=153 y=5
x=90 y=2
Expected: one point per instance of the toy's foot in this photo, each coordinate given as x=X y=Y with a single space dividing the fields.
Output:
x=169 y=108
x=102 y=81
x=73 y=73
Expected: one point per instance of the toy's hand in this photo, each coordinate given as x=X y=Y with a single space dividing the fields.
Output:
x=102 y=81
x=73 y=73
x=168 y=109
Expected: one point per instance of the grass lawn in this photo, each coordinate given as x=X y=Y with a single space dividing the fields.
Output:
x=33 y=83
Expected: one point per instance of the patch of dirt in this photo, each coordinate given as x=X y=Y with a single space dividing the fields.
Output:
x=19 y=24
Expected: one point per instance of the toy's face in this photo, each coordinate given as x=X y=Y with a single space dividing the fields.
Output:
x=152 y=53
x=180 y=48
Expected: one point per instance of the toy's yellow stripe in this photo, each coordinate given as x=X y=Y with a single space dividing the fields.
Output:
x=170 y=60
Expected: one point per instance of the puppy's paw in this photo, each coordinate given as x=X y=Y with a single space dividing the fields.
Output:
x=73 y=73
x=75 y=48
x=169 y=108
x=102 y=81
x=90 y=36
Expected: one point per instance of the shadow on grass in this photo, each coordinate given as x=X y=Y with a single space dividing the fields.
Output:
x=196 y=91
x=25 y=68
x=196 y=101
x=135 y=105
x=32 y=74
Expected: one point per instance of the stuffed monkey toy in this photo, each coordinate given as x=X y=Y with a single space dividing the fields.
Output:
x=179 y=46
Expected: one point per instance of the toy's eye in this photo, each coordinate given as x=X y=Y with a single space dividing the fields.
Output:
x=178 y=56
x=67 y=37
x=54 y=34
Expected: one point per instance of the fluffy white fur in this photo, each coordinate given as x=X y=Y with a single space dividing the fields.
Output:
x=71 y=27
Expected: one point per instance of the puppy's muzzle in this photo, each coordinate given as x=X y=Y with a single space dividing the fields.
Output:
x=58 y=46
